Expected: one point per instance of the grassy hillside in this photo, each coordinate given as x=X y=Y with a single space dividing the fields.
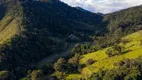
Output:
x=8 y=28
x=133 y=48
x=10 y=21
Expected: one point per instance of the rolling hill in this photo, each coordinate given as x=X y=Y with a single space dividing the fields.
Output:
x=104 y=62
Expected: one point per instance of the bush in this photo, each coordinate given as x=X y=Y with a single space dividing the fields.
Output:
x=57 y=67
x=115 y=50
x=74 y=60
x=118 y=49
x=37 y=75
x=90 y=61
x=109 y=52
x=125 y=41
x=61 y=61
x=60 y=65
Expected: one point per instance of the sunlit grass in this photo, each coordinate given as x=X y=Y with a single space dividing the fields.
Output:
x=95 y=56
x=74 y=77
x=8 y=28
x=104 y=62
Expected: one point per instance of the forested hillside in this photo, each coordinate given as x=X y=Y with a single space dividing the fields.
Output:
x=33 y=30
x=111 y=57
x=127 y=20
x=121 y=23
x=124 y=22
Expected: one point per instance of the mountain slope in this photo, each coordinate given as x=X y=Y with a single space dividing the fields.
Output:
x=10 y=20
x=121 y=23
x=127 y=20
x=32 y=30
x=79 y=8
x=58 y=13
x=104 y=62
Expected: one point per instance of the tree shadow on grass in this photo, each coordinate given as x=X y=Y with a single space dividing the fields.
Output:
x=126 y=51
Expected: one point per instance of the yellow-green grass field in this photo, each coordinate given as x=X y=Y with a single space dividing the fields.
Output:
x=8 y=28
x=134 y=47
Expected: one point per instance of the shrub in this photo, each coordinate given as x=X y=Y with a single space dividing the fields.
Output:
x=115 y=50
x=37 y=75
x=61 y=61
x=118 y=49
x=90 y=61
x=74 y=60
x=125 y=41
x=109 y=52
x=58 y=67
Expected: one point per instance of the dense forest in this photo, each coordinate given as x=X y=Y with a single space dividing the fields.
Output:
x=49 y=27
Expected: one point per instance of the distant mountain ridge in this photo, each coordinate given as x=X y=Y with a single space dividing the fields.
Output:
x=82 y=9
